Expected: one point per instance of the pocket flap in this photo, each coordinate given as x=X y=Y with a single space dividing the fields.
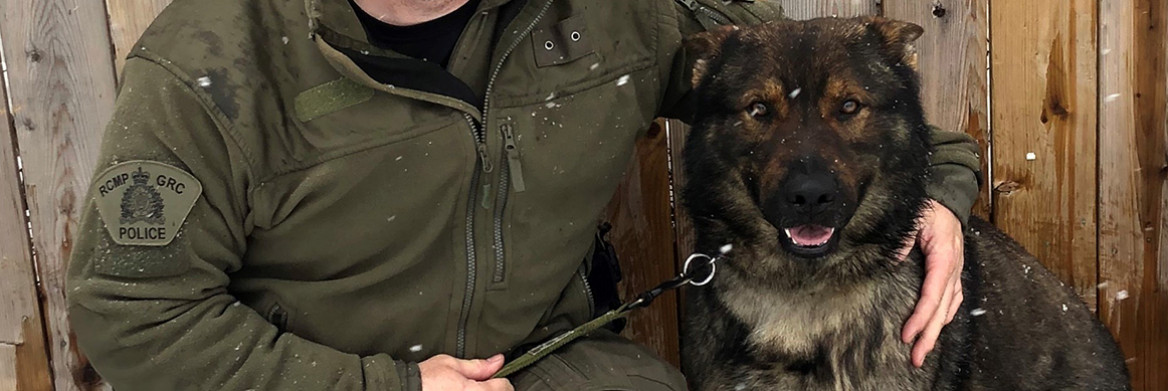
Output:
x=565 y=42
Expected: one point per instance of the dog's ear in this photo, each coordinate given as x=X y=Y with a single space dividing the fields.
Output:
x=702 y=48
x=898 y=37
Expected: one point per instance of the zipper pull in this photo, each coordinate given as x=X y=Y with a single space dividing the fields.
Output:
x=486 y=199
x=513 y=163
x=487 y=166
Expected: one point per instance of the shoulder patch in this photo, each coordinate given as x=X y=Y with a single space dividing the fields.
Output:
x=144 y=203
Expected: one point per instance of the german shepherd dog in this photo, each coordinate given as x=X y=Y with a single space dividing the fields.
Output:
x=809 y=155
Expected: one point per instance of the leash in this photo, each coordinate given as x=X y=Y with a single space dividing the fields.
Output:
x=698 y=276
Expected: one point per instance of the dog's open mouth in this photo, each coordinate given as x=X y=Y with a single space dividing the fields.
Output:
x=809 y=239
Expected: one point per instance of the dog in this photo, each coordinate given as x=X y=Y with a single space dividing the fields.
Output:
x=809 y=155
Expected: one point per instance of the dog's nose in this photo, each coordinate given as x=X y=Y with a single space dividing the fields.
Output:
x=813 y=192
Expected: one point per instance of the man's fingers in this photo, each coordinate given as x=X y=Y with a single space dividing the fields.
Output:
x=932 y=292
x=955 y=304
x=497 y=385
x=479 y=369
x=928 y=337
x=907 y=247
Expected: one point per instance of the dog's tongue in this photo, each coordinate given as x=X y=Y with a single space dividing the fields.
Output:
x=810 y=235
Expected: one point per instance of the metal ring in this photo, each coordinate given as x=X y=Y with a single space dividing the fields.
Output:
x=713 y=268
x=575 y=36
x=548 y=45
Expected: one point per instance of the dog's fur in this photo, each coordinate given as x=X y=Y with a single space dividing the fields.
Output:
x=778 y=318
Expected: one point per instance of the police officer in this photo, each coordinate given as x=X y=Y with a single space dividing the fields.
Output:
x=372 y=189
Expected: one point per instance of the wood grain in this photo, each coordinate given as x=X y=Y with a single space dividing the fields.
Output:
x=809 y=9
x=643 y=236
x=1044 y=121
x=127 y=20
x=8 y=379
x=61 y=70
x=22 y=334
x=953 y=64
x=1133 y=196
x=683 y=226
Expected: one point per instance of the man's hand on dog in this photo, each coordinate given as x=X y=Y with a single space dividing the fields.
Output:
x=443 y=372
x=940 y=237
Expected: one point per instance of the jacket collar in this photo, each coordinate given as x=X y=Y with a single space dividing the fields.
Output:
x=339 y=17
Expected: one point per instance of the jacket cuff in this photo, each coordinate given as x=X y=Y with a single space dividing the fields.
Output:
x=410 y=375
x=956 y=187
x=385 y=374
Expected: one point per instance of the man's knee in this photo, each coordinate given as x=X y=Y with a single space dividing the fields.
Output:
x=603 y=361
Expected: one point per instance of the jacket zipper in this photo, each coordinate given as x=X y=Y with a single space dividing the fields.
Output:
x=480 y=139
x=717 y=17
x=500 y=268
x=694 y=6
x=481 y=165
x=588 y=293
x=511 y=172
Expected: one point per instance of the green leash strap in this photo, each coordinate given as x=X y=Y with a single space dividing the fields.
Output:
x=704 y=268
x=546 y=348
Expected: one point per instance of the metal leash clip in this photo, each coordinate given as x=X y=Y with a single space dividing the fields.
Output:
x=710 y=261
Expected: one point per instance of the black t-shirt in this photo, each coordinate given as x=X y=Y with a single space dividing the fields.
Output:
x=432 y=41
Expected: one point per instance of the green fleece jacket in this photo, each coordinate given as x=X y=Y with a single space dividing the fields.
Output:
x=267 y=216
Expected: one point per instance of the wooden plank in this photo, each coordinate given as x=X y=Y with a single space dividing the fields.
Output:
x=643 y=236
x=128 y=19
x=8 y=379
x=683 y=226
x=1044 y=121
x=1133 y=196
x=62 y=90
x=953 y=63
x=683 y=233
x=21 y=326
x=809 y=9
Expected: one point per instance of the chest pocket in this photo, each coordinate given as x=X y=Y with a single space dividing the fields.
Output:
x=566 y=41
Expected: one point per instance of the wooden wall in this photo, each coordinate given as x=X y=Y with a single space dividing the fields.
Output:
x=1080 y=84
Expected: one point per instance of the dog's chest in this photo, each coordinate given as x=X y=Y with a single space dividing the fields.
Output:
x=821 y=342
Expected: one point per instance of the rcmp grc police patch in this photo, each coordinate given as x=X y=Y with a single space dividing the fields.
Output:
x=143 y=203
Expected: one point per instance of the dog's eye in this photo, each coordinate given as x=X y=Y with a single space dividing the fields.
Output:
x=758 y=109
x=850 y=106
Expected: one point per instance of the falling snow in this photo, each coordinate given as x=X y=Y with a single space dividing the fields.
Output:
x=416 y=348
x=285 y=39
x=1111 y=98
x=1121 y=295
x=204 y=81
x=726 y=248
x=593 y=66
x=795 y=93
x=623 y=80
x=1031 y=156
x=977 y=312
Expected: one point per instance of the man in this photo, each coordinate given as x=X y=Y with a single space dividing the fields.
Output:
x=303 y=195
